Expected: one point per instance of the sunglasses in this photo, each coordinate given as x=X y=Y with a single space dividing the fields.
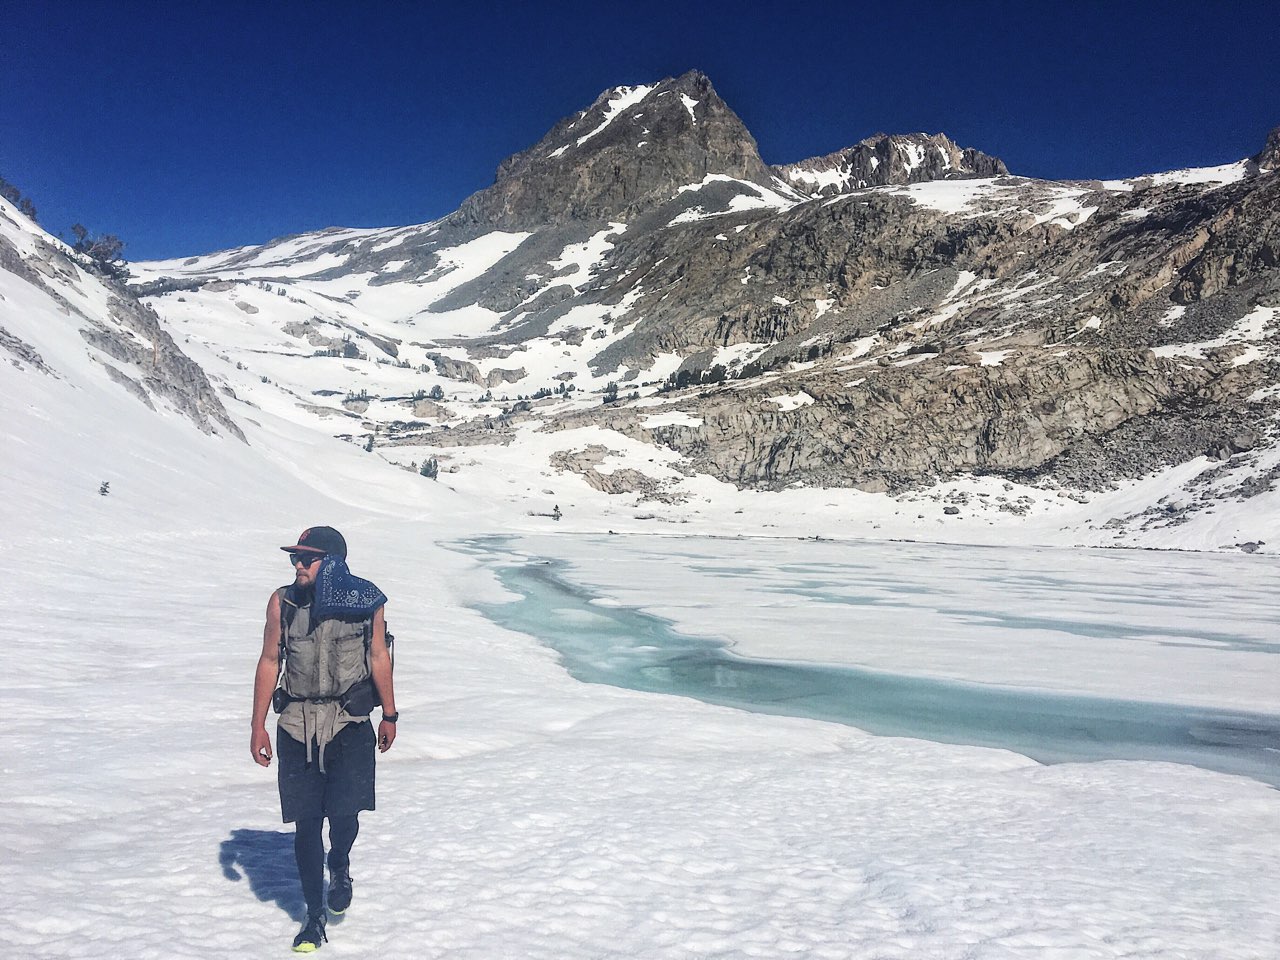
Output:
x=306 y=559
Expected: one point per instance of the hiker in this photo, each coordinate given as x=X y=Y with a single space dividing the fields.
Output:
x=330 y=629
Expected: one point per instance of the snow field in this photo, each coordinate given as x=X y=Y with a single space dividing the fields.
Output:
x=257 y=342
x=524 y=814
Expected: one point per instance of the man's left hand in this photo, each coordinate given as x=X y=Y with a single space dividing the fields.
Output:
x=386 y=736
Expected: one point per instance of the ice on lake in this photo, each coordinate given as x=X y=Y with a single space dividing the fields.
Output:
x=1058 y=655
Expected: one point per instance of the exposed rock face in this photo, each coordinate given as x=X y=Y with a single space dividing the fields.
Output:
x=166 y=371
x=627 y=152
x=20 y=353
x=824 y=274
x=500 y=375
x=468 y=372
x=456 y=369
x=882 y=160
x=306 y=330
x=429 y=409
x=586 y=463
x=903 y=427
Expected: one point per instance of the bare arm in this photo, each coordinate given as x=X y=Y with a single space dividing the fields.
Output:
x=264 y=683
x=380 y=671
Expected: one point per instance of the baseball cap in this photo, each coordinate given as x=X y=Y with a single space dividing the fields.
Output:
x=320 y=540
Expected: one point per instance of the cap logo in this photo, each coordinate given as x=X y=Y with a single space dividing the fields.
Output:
x=305 y=533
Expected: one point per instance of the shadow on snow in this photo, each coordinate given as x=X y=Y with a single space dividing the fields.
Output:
x=265 y=858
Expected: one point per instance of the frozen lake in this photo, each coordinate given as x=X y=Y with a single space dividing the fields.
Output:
x=1057 y=655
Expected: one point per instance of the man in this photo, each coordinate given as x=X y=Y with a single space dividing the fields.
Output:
x=331 y=630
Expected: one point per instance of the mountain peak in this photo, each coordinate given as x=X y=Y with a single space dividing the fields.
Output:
x=886 y=159
x=631 y=149
x=1269 y=157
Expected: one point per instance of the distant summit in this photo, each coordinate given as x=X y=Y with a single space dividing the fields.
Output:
x=883 y=160
x=627 y=152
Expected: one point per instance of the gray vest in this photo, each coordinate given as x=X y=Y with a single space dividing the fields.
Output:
x=323 y=663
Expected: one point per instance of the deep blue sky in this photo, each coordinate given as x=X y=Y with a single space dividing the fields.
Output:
x=190 y=126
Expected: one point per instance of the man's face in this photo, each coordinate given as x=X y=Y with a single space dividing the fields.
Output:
x=305 y=567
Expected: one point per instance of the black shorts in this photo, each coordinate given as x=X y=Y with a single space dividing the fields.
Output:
x=346 y=786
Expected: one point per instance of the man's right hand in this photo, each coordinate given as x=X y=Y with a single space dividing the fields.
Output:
x=260 y=746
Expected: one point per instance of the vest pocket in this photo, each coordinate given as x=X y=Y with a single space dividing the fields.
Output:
x=302 y=667
x=350 y=661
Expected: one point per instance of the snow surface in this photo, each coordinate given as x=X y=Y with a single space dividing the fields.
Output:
x=1253 y=326
x=585 y=256
x=948 y=196
x=914 y=154
x=834 y=177
x=752 y=196
x=1226 y=173
x=1192 y=176
x=677 y=418
x=1049 y=203
x=521 y=813
x=792 y=401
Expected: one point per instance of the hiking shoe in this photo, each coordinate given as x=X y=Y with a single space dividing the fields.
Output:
x=339 y=892
x=311 y=935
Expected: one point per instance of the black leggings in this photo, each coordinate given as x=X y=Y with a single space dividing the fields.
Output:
x=308 y=848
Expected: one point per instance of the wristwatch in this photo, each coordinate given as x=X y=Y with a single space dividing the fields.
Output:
x=391 y=717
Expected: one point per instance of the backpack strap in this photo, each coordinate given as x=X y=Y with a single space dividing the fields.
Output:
x=288 y=610
x=388 y=638
x=376 y=699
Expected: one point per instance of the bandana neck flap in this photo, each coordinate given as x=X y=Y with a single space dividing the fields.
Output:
x=339 y=593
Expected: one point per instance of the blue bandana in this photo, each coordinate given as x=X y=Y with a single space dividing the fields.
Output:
x=339 y=593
